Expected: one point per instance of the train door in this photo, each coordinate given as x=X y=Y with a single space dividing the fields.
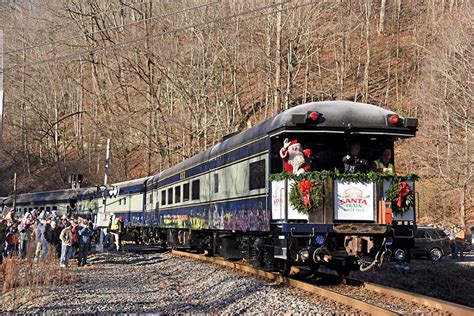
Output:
x=72 y=207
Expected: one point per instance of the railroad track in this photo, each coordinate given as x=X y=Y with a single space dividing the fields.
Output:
x=371 y=298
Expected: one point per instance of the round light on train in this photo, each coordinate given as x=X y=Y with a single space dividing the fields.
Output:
x=304 y=254
x=393 y=119
x=314 y=116
x=400 y=254
x=389 y=241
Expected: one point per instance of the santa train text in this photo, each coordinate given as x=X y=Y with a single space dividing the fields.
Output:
x=314 y=186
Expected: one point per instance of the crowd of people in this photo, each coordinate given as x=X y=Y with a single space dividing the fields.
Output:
x=38 y=234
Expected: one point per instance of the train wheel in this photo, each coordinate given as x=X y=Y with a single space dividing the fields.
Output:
x=254 y=255
x=285 y=267
x=268 y=260
x=145 y=239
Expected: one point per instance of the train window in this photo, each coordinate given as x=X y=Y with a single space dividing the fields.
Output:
x=186 y=192
x=195 y=190
x=170 y=196
x=55 y=208
x=163 y=197
x=216 y=182
x=257 y=175
x=42 y=208
x=177 y=194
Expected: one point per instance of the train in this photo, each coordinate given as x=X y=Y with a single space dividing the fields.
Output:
x=238 y=200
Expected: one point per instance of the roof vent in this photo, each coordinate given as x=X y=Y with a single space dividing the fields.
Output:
x=298 y=119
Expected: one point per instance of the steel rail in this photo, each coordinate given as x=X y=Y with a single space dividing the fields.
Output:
x=444 y=306
x=340 y=298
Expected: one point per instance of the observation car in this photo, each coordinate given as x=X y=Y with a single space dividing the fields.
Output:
x=235 y=200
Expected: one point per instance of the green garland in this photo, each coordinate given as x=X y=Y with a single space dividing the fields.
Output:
x=318 y=177
x=370 y=176
x=316 y=196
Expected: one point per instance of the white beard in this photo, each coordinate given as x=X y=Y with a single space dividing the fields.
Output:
x=296 y=160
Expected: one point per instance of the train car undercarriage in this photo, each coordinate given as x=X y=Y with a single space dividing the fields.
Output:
x=279 y=251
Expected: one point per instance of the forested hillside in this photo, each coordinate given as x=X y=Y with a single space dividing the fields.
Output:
x=167 y=79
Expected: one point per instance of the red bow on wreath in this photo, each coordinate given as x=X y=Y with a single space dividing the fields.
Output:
x=403 y=191
x=305 y=188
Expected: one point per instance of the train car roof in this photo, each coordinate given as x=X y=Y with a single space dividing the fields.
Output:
x=335 y=116
x=130 y=183
x=56 y=195
x=132 y=186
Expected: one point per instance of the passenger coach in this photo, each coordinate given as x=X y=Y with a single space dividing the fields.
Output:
x=235 y=199
x=62 y=202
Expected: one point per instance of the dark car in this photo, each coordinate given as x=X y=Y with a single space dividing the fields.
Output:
x=431 y=242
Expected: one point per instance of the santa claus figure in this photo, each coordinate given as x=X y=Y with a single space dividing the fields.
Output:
x=295 y=159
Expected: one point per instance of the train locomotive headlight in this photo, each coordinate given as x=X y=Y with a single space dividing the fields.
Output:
x=400 y=254
x=304 y=254
x=389 y=241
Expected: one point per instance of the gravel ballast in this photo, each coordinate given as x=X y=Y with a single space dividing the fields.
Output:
x=162 y=283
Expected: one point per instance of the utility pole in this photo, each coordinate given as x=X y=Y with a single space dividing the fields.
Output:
x=14 y=190
x=107 y=161
x=1 y=93
x=102 y=220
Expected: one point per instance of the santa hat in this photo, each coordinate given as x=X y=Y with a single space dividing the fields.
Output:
x=294 y=142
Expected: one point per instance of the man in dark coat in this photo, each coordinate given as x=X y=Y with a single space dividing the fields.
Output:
x=3 y=237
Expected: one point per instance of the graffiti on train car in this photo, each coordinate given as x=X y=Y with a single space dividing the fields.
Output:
x=218 y=216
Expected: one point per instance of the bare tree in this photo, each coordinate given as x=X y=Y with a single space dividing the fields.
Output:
x=446 y=94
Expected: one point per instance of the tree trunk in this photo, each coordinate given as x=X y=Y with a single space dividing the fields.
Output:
x=277 y=87
x=381 y=28
x=368 y=8
x=463 y=196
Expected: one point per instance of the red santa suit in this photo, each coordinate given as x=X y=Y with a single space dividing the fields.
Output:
x=295 y=159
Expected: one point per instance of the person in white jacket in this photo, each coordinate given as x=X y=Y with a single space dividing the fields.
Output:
x=66 y=243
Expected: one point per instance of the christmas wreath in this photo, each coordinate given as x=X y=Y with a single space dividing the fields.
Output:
x=306 y=195
x=400 y=195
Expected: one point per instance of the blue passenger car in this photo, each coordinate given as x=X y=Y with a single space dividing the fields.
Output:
x=235 y=200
